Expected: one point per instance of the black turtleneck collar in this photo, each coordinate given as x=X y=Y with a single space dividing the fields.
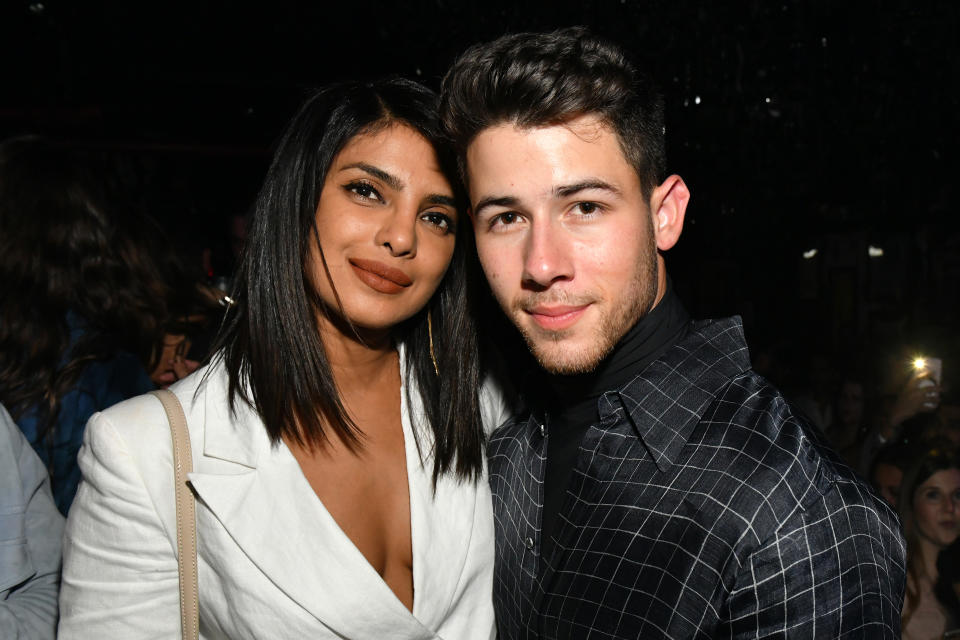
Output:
x=570 y=403
x=646 y=341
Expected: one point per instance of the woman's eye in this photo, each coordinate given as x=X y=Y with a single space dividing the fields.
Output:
x=931 y=494
x=441 y=221
x=364 y=190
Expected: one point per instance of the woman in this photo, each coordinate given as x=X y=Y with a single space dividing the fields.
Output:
x=337 y=438
x=930 y=511
x=78 y=320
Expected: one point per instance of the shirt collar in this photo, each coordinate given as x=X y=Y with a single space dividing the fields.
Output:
x=667 y=400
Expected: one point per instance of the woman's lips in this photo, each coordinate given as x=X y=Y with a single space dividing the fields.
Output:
x=558 y=317
x=380 y=277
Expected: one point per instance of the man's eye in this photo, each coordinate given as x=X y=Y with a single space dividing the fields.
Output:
x=364 y=190
x=504 y=219
x=587 y=208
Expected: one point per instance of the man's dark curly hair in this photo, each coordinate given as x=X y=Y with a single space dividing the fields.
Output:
x=545 y=79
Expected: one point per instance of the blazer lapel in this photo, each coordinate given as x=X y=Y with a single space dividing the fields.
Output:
x=259 y=495
x=443 y=522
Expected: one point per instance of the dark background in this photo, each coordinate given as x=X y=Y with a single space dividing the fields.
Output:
x=798 y=125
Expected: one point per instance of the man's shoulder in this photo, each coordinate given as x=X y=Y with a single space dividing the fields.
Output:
x=754 y=433
x=515 y=430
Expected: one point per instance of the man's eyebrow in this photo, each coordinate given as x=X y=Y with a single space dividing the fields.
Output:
x=391 y=181
x=495 y=201
x=566 y=190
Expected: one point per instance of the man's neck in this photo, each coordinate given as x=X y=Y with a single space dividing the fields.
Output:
x=650 y=336
x=570 y=402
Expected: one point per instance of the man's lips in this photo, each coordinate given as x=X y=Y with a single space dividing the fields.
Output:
x=558 y=317
x=380 y=277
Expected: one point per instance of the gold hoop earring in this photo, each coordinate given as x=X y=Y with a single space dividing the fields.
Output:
x=433 y=357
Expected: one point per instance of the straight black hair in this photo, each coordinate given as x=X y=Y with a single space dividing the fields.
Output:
x=544 y=79
x=270 y=345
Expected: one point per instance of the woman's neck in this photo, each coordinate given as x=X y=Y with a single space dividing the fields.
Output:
x=356 y=357
x=928 y=552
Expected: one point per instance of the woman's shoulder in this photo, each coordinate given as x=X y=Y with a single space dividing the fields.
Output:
x=497 y=401
x=141 y=422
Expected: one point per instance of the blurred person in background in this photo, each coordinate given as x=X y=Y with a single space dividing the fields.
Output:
x=849 y=423
x=886 y=474
x=77 y=321
x=30 y=532
x=816 y=400
x=907 y=415
x=929 y=506
x=192 y=308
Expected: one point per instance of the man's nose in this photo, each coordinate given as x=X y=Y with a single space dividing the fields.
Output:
x=398 y=233
x=547 y=256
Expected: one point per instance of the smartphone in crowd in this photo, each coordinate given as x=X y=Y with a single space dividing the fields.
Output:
x=930 y=371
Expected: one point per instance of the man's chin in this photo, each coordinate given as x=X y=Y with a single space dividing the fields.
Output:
x=566 y=359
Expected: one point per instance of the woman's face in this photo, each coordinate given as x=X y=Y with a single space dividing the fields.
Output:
x=386 y=221
x=936 y=504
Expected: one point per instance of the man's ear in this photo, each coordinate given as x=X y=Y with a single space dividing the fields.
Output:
x=668 y=206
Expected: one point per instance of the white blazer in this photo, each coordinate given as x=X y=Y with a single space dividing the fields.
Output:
x=272 y=561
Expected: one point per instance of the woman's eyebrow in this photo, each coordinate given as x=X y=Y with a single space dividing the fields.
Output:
x=439 y=198
x=391 y=181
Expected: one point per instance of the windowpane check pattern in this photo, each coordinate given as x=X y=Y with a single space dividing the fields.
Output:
x=700 y=506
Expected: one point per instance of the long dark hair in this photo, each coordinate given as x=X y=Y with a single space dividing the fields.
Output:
x=64 y=259
x=270 y=344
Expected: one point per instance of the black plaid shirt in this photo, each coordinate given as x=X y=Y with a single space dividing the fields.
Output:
x=699 y=506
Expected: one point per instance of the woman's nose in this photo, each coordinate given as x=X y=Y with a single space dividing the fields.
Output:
x=952 y=504
x=399 y=233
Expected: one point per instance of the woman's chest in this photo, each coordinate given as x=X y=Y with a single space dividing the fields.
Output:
x=927 y=621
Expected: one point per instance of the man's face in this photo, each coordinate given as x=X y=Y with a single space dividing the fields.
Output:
x=886 y=480
x=565 y=237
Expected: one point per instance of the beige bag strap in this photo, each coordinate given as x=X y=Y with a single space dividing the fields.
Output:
x=186 y=515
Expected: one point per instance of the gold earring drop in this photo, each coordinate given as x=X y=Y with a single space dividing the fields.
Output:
x=433 y=357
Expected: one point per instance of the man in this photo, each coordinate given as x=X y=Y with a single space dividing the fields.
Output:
x=657 y=487
x=886 y=472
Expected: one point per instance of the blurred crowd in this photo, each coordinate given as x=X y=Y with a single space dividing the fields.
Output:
x=99 y=303
x=897 y=423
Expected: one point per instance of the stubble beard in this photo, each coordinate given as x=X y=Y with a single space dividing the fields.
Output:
x=549 y=347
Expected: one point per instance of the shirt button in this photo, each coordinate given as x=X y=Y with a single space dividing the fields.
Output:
x=543 y=429
x=529 y=543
